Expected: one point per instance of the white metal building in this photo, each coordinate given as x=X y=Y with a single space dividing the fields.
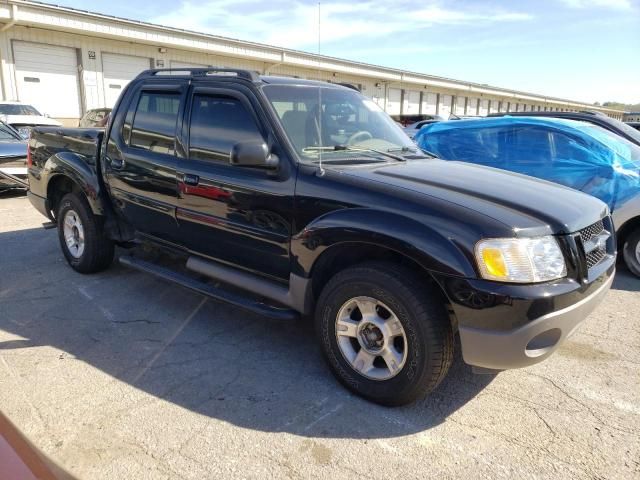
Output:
x=66 y=61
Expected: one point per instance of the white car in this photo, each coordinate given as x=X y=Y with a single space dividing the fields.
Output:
x=23 y=117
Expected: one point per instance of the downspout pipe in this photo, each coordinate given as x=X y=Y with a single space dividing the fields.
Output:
x=14 y=19
x=267 y=71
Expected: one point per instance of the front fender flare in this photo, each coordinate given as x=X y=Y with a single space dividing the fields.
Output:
x=419 y=242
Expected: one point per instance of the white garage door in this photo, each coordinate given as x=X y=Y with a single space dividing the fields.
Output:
x=393 y=101
x=472 y=106
x=445 y=105
x=484 y=108
x=429 y=103
x=460 y=104
x=118 y=70
x=47 y=78
x=411 y=105
x=175 y=64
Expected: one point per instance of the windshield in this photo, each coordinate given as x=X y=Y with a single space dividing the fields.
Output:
x=18 y=109
x=345 y=119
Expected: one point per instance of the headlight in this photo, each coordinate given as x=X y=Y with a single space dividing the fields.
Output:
x=520 y=260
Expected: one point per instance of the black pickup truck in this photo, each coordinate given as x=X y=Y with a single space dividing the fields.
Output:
x=303 y=198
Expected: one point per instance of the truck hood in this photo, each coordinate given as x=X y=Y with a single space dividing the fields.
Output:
x=30 y=120
x=528 y=205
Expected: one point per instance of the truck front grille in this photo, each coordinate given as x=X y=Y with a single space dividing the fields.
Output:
x=594 y=241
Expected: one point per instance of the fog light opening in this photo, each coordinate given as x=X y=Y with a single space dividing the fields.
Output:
x=543 y=342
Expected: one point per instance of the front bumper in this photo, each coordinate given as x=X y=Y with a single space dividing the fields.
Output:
x=522 y=325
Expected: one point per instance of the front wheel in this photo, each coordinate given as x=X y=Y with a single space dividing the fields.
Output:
x=82 y=239
x=631 y=252
x=385 y=333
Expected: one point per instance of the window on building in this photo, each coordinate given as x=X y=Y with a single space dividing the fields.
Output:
x=217 y=124
x=154 y=123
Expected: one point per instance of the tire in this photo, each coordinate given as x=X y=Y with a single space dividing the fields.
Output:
x=92 y=250
x=631 y=252
x=423 y=352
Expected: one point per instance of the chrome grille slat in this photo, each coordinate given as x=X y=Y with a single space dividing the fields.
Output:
x=594 y=241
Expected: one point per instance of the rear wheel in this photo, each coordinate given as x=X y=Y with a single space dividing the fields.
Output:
x=631 y=252
x=81 y=235
x=385 y=333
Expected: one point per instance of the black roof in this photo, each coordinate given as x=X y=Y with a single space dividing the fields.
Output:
x=255 y=77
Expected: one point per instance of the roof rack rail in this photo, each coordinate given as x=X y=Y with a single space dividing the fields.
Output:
x=202 y=72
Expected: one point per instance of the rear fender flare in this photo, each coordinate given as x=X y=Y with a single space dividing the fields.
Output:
x=83 y=175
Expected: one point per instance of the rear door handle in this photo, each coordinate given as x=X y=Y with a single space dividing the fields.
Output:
x=190 y=179
x=116 y=163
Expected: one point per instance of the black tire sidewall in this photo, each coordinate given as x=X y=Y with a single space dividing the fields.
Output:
x=413 y=373
x=629 y=252
x=89 y=225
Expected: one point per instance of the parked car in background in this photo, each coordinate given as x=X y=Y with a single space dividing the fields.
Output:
x=635 y=125
x=596 y=118
x=13 y=159
x=577 y=154
x=413 y=128
x=297 y=197
x=94 y=118
x=24 y=117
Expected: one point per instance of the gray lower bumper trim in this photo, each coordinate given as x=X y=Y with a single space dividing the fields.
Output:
x=513 y=349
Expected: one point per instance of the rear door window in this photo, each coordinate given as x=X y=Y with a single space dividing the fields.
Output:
x=154 y=123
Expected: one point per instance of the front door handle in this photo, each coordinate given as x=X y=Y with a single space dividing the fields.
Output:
x=190 y=179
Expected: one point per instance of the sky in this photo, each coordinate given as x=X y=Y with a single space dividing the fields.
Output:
x=585 y=50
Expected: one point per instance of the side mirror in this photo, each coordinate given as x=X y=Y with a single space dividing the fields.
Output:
x=252 y=154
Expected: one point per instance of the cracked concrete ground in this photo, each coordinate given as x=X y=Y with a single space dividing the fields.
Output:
x=119 y=375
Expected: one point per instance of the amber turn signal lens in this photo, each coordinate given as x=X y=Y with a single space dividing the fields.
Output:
x=494 y=262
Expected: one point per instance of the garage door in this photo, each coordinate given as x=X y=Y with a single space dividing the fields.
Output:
x=47 y=78
x=429 y=103
x=445 y=105
x=411 y=104
x=460 y=104
x=484 y=108
x=393 y=102
x=118 y=70
x=472 y=106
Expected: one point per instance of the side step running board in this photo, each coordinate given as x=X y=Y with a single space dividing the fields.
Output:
x=217 y=293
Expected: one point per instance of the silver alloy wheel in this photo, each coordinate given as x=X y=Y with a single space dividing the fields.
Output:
x=371 y=338
x=73 y=233
x=638 y=252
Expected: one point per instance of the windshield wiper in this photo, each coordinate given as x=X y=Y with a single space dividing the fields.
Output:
x=349 y=148
x=413 y=150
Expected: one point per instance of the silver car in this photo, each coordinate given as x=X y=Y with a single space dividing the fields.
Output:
x=412 y=129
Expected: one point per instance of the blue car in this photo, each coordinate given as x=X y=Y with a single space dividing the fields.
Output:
x=577 y=154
